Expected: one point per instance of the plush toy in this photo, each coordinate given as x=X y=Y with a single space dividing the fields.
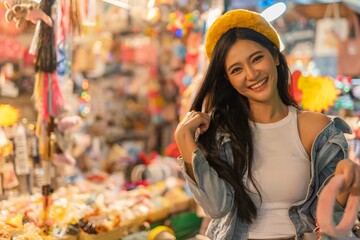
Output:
x=17 y=13
x=21 y=12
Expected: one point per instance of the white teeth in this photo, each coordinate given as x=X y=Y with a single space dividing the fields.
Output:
x=258 y=84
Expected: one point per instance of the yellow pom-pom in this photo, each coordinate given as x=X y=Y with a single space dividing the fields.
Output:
x=9 y=115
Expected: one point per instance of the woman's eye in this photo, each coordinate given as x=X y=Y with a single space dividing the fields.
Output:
x=258 y=58
x=235 y=70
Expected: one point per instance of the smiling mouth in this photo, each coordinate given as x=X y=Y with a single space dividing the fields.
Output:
x=258 y=84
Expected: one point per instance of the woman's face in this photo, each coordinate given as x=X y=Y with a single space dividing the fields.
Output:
x=251 y=70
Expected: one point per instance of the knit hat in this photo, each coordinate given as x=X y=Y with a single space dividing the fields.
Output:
x=239 y=18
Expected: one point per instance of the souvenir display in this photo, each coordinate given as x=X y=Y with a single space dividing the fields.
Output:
x=91 y=93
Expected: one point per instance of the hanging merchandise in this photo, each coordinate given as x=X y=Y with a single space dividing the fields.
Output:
x=318 y=93
x=349 y=51
x=46 y=56
x=35 y=39
x=17 y=12
x=75 y=17
x=22 y=164
x=88 y=12
x=49 y=103
x=62 y=37
x=47 y=94
x=329 y=31
x=23 y=10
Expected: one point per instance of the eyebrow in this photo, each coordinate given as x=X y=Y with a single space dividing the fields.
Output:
x=251 y=55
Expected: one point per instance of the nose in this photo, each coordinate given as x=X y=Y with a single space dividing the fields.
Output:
x=251 y=73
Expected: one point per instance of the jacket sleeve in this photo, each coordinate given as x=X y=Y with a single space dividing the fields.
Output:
x=211 y=192
x=337 y=151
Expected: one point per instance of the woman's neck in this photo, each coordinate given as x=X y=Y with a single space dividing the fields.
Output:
x=271 y=113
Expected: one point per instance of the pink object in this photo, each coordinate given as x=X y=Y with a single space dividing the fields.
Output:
x=38 y=14
x=69 y=123
x=63 y=158
x=53 y=99
x=324 y=211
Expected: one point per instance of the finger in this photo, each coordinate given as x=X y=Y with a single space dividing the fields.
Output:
x=189 y=113
x=355 y=187
x=349 y=176
x=204 y=128
x=346 y=168
x=197 y=120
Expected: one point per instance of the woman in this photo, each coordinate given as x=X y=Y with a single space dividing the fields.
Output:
x=253 y=161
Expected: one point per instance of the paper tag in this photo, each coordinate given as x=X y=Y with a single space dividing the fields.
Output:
x=22 y=165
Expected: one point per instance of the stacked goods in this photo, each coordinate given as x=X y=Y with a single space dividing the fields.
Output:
x=89 y=210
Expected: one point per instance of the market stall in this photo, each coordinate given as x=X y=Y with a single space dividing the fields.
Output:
x=91 y=93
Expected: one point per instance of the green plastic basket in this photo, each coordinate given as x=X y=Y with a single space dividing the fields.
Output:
x=185 y=225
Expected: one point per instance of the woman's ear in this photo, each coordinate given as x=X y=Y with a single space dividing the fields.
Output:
x=277 y=60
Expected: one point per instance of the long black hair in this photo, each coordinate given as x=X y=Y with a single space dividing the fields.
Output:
x=230 y=113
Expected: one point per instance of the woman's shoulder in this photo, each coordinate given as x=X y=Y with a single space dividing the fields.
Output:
x=310 y=124
x=319 y=121
x=313 y=121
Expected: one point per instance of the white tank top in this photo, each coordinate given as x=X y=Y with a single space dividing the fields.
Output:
x=282 y=171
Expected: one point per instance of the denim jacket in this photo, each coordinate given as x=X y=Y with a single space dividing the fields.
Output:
x=216 y=196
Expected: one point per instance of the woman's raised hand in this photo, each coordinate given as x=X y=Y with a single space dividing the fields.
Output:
x=194 y=122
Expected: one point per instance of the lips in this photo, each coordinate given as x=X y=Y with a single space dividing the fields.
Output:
x=258 y=84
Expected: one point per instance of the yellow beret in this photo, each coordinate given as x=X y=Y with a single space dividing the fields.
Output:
x=239 y=18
